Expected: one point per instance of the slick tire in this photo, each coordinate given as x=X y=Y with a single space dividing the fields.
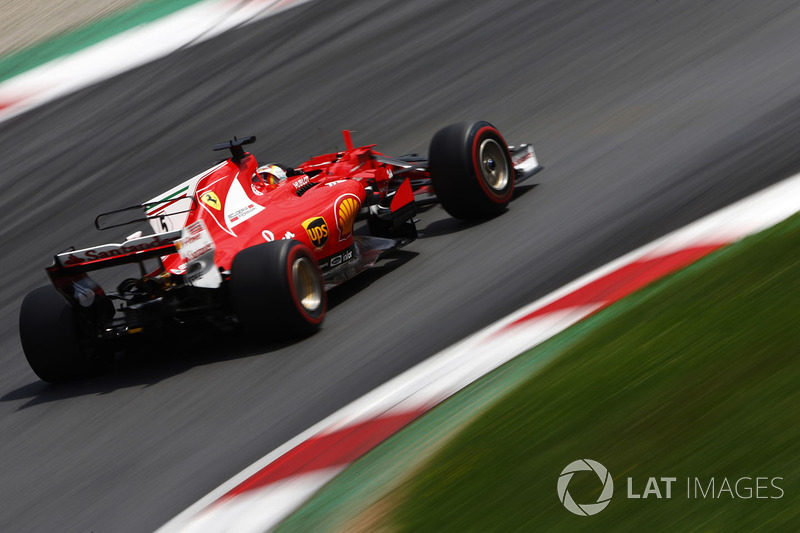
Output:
x=277 y=287
x=50 y=337
x=471 y=170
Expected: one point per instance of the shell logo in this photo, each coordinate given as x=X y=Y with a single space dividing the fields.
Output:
x=346 y=209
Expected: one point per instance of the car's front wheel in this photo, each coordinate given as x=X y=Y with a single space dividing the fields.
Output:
x=471 y=170
x=278 y=286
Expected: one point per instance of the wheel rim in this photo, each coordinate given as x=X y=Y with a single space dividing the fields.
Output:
x=307 y=284
x=493 y=165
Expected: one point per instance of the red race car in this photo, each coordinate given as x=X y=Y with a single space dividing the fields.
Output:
x=249 y=246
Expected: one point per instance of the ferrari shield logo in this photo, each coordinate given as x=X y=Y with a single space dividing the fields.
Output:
x=211 y=199
x=317 y=230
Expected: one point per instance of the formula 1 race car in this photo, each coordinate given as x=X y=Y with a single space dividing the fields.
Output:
x=254 y=247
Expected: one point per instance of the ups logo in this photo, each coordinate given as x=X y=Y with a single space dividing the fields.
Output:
x=317 y=230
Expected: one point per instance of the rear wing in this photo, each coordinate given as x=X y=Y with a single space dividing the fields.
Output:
x=108 y=255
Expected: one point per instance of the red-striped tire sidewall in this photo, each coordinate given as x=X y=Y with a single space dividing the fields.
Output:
x=490 y=193
x=295 y=253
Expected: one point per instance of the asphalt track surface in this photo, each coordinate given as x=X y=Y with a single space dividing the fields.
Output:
x=647 y=115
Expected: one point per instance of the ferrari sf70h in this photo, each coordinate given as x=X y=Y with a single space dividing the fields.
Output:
x=251 y=246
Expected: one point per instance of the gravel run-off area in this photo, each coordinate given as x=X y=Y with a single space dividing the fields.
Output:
x=26 y=22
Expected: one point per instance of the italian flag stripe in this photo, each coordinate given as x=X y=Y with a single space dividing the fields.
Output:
x=160 y=207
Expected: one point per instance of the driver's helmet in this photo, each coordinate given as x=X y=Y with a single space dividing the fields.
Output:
x=271 y=174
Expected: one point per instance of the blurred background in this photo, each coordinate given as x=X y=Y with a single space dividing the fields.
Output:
x=646 y=115
x=27 y=23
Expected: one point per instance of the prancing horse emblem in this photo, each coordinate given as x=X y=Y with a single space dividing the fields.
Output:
x=211 y=200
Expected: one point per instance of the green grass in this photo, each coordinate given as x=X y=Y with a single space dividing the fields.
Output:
x=697 y=376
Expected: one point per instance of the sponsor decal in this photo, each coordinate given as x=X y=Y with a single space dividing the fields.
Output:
x=72 y=260
x=211 y=199
x=300 y=182
x=239 y=207
x=334 y=183
x=346 y=208
x=114 y=250
x=345 y=256
x=269 y=236
x=196 y=248
x=181 y=270
x=194 y=254
x=521 y=159
x=526 y=160
x=195 y=229
x=240 y=215
x=195 y=242
x=317 y=230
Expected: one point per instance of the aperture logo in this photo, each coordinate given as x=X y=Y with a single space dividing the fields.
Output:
x=586 y=509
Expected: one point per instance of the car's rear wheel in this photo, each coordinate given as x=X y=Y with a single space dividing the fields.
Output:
x=50 y=336
x=278 y=286
x=471 y=169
